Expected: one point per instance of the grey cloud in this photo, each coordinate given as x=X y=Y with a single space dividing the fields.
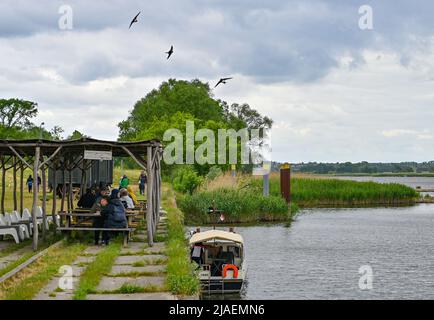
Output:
x=270 y=41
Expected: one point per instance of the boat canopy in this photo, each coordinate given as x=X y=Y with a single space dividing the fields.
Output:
x=216 y=235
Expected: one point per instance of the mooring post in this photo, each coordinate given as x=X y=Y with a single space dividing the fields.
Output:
x=285 y=181
x=266 y=167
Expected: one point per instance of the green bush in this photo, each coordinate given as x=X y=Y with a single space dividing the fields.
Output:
x=236 y=205
x=186 y=180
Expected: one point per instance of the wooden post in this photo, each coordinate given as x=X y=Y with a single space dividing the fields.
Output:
x=83 y=182
x=285 y=182
x=62 y=203
x=266 y=178
x=70 y=194
x=15 y=183
x=44 y=202
x=21 y=188
x=266 y=185
x=35 y=197
x=3 y=165
x=54 y=207
x=149 y=202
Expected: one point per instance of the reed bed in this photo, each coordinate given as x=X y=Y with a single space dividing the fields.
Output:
x=311 y=192
x=238 y=206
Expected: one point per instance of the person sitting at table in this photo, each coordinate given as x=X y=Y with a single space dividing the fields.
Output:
x=114 y=215
x=87 y=200
x=98 y=220
x=132 y=195
x=126 y=199
x=104 y=192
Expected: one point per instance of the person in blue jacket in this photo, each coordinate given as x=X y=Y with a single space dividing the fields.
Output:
x=113 y=215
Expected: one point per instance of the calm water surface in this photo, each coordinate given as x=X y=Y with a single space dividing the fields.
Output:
x=319 y=256
x=423 y=182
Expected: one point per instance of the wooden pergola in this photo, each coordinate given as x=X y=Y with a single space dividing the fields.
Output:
x=67 y=155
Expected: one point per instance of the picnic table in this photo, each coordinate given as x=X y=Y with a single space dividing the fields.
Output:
x=86 y=216
x=90 y=215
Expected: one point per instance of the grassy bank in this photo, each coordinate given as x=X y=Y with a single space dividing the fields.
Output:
x=181 y=276
x=27 y=283
x=311 y=192
x=238 y=206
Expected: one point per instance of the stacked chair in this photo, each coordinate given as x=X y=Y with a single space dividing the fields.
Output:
x=20 y=227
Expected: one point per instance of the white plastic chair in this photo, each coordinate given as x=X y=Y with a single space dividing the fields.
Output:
x=49 y=217
x=23 y=232
x=7 y=230
x=15 y=217
x=28 y=216
x=39 y=215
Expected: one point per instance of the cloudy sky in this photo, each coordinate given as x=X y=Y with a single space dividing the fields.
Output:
x=336 y=92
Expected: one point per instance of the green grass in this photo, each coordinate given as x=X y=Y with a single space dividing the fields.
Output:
x=92 y=275
x=139 y=264
x=27 y=283
x=181 y=276
x=131 y=288
x=136 y=274
x=309 y=192
x=14 y=247
x=26 y=255
x=238 y=206
x=16 y=263
x=142 y=253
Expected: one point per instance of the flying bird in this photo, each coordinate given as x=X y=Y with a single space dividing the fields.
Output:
x=170 y=52
x=134 y=20
x=222 y=80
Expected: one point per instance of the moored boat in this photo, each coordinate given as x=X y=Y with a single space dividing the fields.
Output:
x=220 y=258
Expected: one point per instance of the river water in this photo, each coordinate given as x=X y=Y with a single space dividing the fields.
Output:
x=319 y=255
x=414 y=182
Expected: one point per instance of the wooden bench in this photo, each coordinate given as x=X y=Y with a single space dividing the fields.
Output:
x=126 y=231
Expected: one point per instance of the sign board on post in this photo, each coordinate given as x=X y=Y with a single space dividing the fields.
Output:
x=97 y=155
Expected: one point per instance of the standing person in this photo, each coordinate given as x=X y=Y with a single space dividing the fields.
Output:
x=30 y=183
x=114 y=215
x=143 y=179
x=124 y=183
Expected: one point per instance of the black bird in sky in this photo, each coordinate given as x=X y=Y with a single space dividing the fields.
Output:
x=222 y=80
x=134 y=20
x=170 y=52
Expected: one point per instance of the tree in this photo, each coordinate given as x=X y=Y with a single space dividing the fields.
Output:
x=56 y=132
x=175 y=102
x=76 y=135
x=16 y=113
x=192 y=97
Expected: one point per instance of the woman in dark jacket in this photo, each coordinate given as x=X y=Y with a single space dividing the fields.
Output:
x=114 y=215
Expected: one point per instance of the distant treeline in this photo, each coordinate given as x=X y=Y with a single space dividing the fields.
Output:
x=361 y=167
